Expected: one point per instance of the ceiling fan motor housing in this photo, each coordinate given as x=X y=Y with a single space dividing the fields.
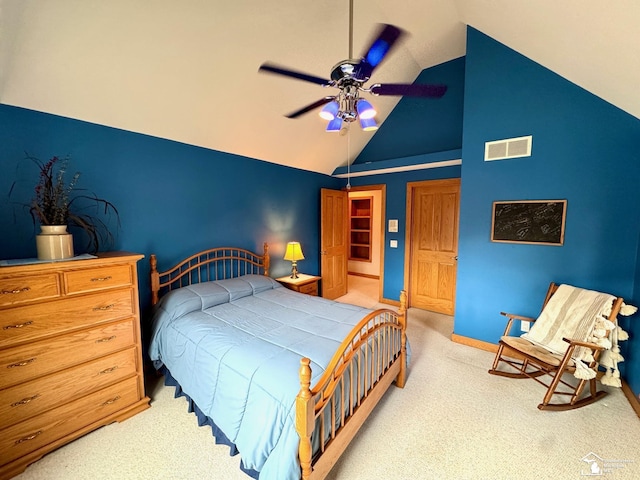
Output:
x=348 y=70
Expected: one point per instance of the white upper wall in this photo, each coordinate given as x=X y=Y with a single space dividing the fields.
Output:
x=188 y=71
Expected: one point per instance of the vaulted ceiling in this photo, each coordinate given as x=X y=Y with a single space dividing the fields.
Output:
x=188 y=70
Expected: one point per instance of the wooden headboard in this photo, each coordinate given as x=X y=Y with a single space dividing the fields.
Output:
x=208 y=265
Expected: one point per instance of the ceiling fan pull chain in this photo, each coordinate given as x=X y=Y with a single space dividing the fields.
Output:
x=348 y=127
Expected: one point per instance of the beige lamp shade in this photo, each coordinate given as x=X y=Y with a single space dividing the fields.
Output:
x=293 y=252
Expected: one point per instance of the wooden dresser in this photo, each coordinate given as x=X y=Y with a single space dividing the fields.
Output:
x=70 y=353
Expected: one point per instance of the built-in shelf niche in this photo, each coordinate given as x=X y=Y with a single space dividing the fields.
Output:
x=360 y=224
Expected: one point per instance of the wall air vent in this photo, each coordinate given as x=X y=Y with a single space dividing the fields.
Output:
x=509 y=148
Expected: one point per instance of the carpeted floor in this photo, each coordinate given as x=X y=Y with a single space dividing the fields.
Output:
x=452 y=421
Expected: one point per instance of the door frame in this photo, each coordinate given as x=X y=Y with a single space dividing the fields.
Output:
x=383 y=208
x=409 y=225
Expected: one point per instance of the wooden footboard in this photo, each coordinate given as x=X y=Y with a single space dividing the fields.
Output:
x=330 y=414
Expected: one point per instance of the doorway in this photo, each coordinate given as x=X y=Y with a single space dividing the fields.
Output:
x=366 y=241
x=335 y=245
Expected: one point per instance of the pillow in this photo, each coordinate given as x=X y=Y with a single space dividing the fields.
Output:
x=204 y=295
x=179 y=302
x=236 y=288
x=210 y=293
x=260 y=283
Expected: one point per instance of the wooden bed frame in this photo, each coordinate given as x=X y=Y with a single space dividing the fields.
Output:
x=369 y=372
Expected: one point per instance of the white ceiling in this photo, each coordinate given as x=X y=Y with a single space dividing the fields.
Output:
x=188 y=70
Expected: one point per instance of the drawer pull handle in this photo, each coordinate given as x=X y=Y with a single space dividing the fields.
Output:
x=113 y=400
x=22 y=364
x=30 y=437
x=108 y=370
x=16 y=291
x=106 y=307
x=106 y=339
x=102 y=279
x=19 y=325
x=24 y=401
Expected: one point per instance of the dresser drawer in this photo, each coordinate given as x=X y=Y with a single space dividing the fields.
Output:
x=20 y=439
x=21 y=289
x=36 y=396
x=29 y=361
x=309 y=288
x=92 y=279
x=31 y=322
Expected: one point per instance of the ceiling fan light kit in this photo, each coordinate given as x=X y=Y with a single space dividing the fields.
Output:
x=349 y=77
x=334 y=125
x=365 y=109
x=330 y=111
x=368 y=124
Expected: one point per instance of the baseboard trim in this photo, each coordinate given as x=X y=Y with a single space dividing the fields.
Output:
x=365 y=275
x=493 y=348
x=390 y=302
x=472 y=342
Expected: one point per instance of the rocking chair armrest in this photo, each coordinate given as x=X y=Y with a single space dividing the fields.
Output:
x=579 y=343
x=512 y=317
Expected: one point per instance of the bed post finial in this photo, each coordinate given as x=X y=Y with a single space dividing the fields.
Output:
x=305 y=415
x=266 y=259
x=155 y=279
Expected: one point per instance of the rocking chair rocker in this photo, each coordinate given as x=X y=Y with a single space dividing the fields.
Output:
x=561 y=341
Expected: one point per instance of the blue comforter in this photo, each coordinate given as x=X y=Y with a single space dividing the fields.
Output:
x=235 y=348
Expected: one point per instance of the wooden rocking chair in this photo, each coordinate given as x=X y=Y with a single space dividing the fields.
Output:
x=532 y=358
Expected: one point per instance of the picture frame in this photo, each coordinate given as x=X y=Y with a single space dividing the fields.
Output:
x=536 y=222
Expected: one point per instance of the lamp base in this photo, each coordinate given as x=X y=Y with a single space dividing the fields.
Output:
x=294 y=270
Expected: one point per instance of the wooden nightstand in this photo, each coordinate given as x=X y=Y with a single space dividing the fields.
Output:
x=304 y=283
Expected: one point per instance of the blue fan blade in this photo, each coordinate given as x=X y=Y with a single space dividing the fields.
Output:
x=310 y=107
x=385 y=39
x=410 y=90
x=270 y=68
x=387 y=36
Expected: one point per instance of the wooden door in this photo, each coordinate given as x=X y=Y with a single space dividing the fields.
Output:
x=433 y=244
x=334 y=243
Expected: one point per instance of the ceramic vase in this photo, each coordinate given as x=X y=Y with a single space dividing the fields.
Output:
x=54 y=243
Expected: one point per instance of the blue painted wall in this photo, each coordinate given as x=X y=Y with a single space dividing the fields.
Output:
x=419 y=125
x=631 y=348
x=584 y=150
x=173 y=199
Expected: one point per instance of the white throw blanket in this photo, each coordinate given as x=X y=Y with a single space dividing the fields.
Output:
x=575 y=314
x=570 y=313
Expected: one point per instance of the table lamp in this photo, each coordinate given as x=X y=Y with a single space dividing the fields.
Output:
x=294 y=253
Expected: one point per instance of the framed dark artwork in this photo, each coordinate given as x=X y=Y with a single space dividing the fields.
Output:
x=539 y=222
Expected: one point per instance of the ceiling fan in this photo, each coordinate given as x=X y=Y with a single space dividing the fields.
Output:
x=349 y=77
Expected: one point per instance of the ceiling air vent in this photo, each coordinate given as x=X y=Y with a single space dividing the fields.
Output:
x=509 y=148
